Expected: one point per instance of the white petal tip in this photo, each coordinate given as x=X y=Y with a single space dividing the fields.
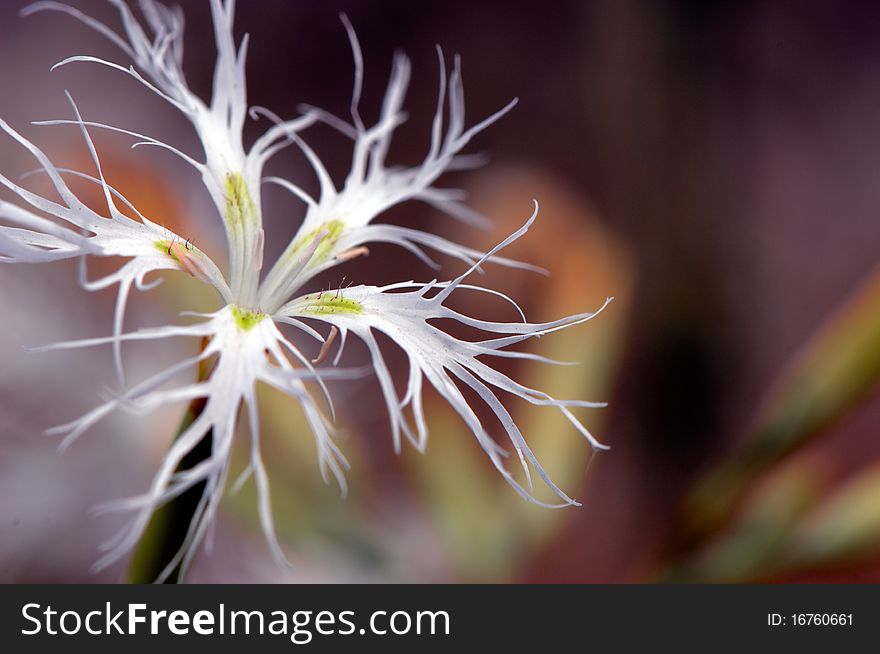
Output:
x=52 y=432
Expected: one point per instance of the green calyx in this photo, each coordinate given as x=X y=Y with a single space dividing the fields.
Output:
x=240 y=208
x=247 y=319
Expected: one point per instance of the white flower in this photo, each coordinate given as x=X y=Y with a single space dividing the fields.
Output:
x=243 y=339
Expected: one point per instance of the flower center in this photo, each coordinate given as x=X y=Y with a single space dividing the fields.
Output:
x=247 y=319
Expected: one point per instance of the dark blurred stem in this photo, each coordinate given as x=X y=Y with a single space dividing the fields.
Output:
x=167 y=529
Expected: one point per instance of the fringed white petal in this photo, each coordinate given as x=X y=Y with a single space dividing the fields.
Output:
x=231 y=175
x=405 y=312
x=243 y=341
x=248 y=349
x=148 y=246
x=372 y=186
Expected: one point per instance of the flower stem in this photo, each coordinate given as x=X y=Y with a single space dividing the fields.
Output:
x=166 y=532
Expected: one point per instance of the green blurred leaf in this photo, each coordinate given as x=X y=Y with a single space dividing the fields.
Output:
x=846 y=527
x=837 y=369
x=750 y=548
x=793 y=526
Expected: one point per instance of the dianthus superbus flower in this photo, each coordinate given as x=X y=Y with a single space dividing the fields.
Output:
x=244 y=340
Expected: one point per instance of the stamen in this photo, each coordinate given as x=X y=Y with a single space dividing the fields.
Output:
x=189 y=263
x=353 y=253
x=325 y=347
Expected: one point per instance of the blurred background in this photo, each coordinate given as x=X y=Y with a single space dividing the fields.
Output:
x=711 y=166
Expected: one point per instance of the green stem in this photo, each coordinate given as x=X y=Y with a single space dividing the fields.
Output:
x=166 y=532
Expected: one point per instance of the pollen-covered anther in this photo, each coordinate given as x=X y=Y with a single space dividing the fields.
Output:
x=353 y=253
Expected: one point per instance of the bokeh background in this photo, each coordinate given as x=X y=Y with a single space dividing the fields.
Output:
x=712 y=166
